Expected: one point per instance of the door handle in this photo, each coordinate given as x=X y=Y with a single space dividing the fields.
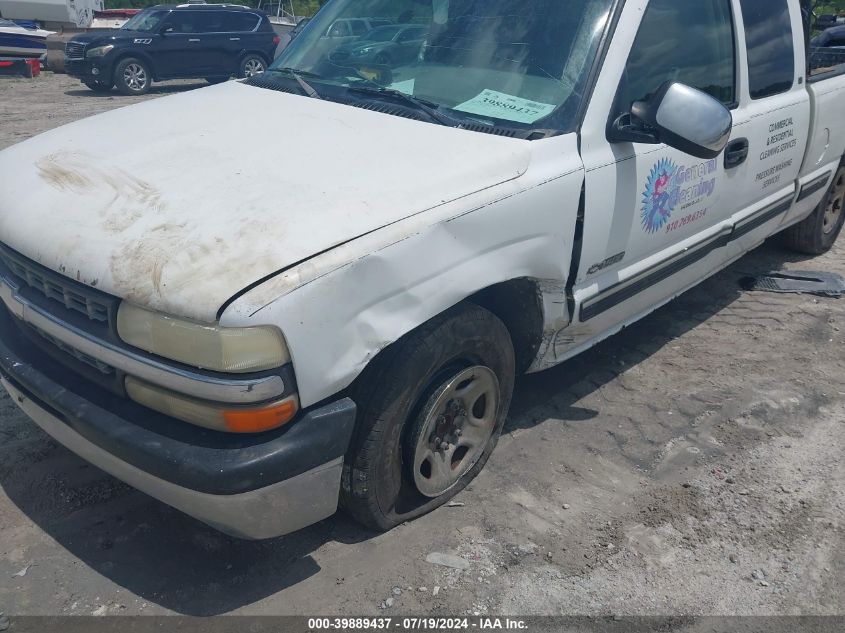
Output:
x=234 y=39
x=193 y=39
x=736 y=152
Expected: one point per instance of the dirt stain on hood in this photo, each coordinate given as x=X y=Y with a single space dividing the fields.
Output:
x=62 y=177
x=79 y=174
x=118 y=201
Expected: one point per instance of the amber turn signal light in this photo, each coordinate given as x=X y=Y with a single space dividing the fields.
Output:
x=258 y=420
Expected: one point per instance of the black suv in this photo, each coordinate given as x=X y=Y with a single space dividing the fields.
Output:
x=212 y=41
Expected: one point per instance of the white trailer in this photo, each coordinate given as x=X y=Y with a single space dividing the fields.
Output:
x=52 y=14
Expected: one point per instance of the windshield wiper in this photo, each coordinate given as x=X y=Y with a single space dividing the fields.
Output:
x=424 y=105
x=298 y=75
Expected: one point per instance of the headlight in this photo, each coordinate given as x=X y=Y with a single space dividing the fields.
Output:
x=99 y=51
x=232 y=350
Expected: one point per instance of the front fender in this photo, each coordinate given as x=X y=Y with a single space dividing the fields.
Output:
x=337 y=321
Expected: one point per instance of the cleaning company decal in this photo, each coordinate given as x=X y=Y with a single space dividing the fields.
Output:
x=670 y=189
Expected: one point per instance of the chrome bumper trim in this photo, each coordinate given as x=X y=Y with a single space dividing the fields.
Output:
x=268 y=512
x=201 y=386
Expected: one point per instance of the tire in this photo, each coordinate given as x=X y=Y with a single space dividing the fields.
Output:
x=390 y=474
x=132 y=77
x=817 y=234
x=96 y=86
x=251 y=65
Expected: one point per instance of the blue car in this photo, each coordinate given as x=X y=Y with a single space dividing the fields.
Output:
x=394 y=45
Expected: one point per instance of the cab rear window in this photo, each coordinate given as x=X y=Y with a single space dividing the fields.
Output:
x=769 y=40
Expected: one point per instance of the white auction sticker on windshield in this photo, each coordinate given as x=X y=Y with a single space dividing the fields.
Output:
x=503 y=106
x=406 y=86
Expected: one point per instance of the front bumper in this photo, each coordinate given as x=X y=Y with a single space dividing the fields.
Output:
x=87 y=69
x=252 y=487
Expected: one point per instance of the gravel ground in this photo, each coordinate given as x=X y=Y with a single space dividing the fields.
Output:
x=690 y=465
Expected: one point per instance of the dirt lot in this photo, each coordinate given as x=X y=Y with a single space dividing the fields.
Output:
x=690 y=465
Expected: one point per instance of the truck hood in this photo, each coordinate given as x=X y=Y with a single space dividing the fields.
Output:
x=182 y=202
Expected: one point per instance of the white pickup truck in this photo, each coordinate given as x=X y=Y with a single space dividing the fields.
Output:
x=264 y=298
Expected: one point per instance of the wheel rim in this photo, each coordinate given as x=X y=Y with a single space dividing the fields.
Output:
x=456 y=429
x=135 y=77
x=833 y=212
x=253 y=67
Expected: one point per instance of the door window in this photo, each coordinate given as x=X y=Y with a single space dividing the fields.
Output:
x=771 y=55
x=339 y=29
x=359 y=27
x=210 y=22
x=241 y=22
x=689 y=42
x=182 y=22
x=409 y=35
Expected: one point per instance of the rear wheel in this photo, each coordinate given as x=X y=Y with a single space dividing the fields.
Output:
x=251 y=65
x=431 y=410
x=817 y=234
x=132 y=77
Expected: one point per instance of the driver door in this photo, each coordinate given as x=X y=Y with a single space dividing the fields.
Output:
x=180 y=48
x=655 y=218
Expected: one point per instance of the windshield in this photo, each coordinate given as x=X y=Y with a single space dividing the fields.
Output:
x=515 y=63
x=146 y=20
x=8 y=24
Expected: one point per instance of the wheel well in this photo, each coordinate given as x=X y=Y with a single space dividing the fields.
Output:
x=519 y=305
x=256 y=53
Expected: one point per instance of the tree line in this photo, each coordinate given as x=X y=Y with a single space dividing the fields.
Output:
x=828 y=7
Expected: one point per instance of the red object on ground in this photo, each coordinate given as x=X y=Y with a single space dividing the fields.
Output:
x=20 y=66
x=116 y=13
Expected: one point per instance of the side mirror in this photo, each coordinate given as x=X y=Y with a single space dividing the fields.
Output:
x=682 y=117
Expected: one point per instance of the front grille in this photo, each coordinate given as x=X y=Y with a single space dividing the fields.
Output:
x=100 y=366
x=75 y=50
x=73 y=295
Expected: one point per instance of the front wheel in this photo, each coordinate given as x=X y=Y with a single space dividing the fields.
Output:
x=431 y=410
x=251 y=65
x=817 y=234
x=97 y=86
x=132 y=77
